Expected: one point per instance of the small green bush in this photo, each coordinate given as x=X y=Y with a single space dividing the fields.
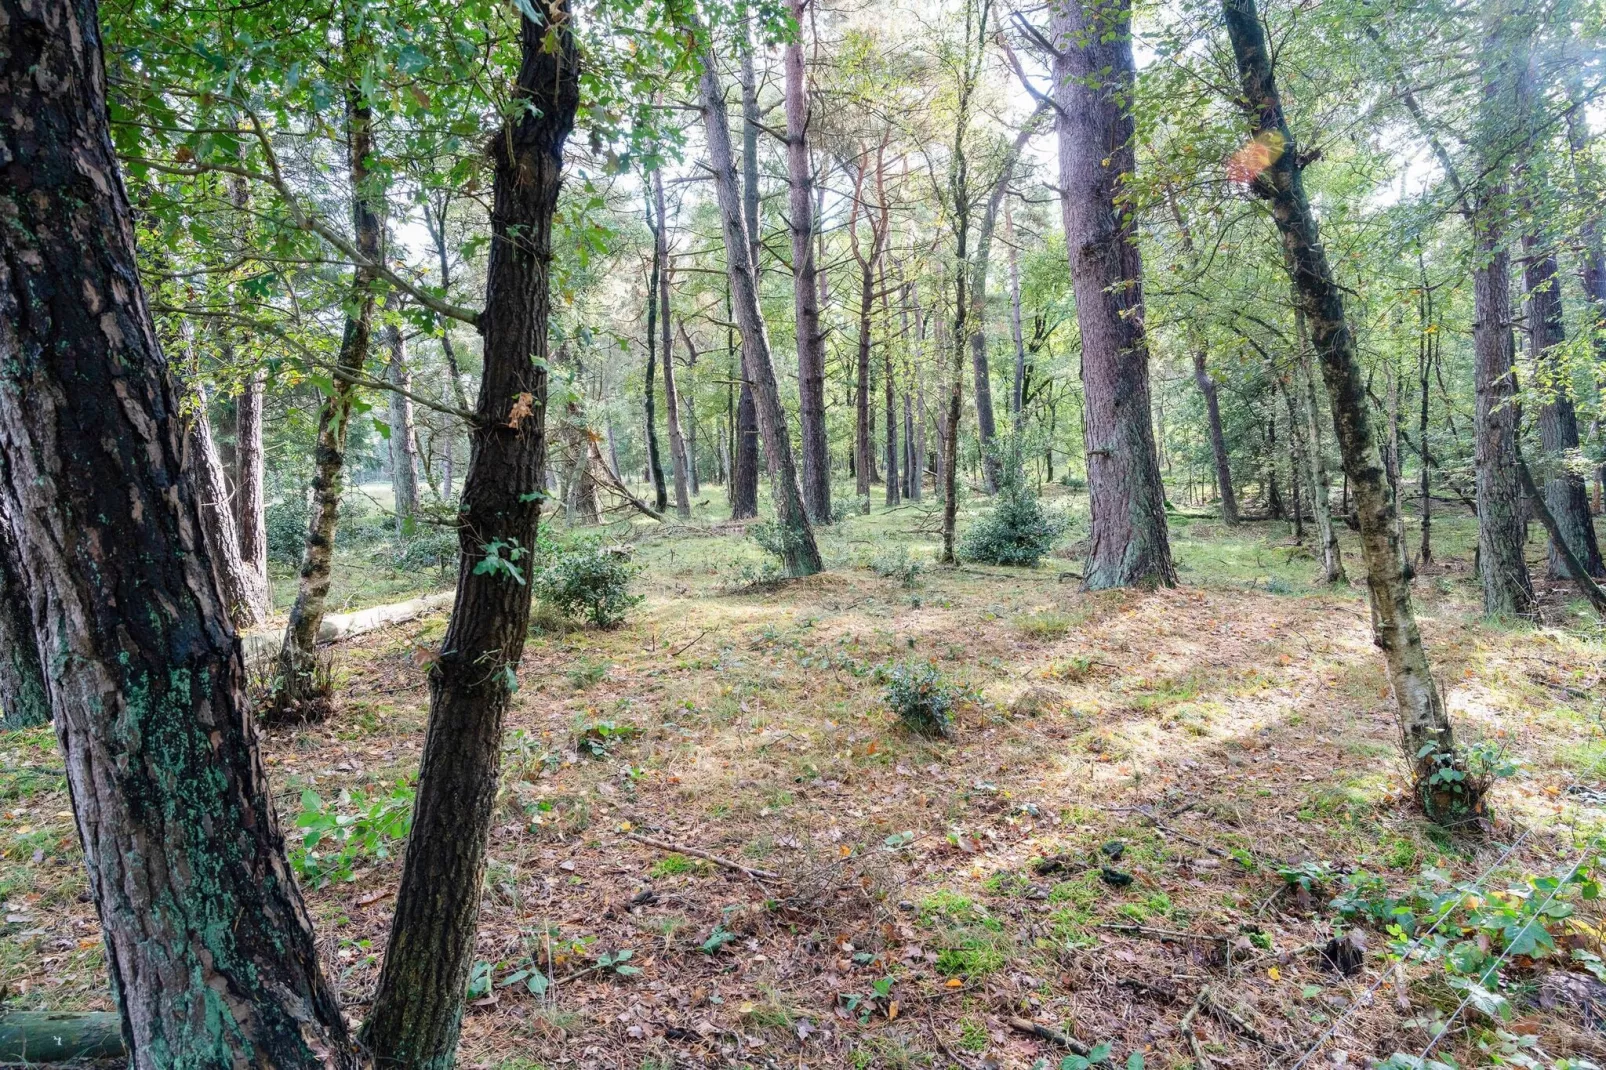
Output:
x=898 y=565
x=922 y=699
x=590 y=581
x=1017 y=530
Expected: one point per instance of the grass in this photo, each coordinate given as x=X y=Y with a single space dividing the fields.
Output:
x=748 y=722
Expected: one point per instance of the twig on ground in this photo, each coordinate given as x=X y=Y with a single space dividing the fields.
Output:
x=1186 y=1027
x=1053 y=1036
x=1232 y=1019
x=756 y=874
x=1160 y=934
x=942 y=1045
x=681 y=650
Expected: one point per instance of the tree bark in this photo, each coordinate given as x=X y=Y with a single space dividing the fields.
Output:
x=677 y=442
x=1218 y=438
x=1566 y=494
x=1093 y=78
x=655 y=466
x=403 y=460
x=250 y=498
x=209 y=946
x=246 y=602
x=802 y=556
x=24 y=696
x=1321 y=490
x=418 y=1005
x=805 y=288
x=1272 y=166
x=297 y=693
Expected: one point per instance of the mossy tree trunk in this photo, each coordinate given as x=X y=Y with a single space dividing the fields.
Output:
x=1273 y=167
x=418 y=1006
x=209 y=946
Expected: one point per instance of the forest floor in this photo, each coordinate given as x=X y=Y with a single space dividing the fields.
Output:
x=1134 y=836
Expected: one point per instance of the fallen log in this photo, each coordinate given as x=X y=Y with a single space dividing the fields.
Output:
x=59 y=1037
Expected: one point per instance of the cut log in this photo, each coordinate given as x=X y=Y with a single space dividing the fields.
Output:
x=59 y=1037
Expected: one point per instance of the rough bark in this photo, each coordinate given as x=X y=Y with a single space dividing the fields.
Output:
x=297 y=692
x=403 y=458
x=418 y=1005
x=24 y=696
x=1566 y=494
x=1502 y=530
x=744 y=492
x=805 y=288
x=1093 y=80
x=666 y=337
x=1274 y=170
x=1218 y=438
x=801 y=556
x=208 y=944
x=31 y=1038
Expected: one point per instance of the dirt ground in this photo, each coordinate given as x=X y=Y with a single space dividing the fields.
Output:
x=715 y=845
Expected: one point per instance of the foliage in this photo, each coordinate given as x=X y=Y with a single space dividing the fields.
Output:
x=923 y=700
x=589 y=580
x=898 y=564
x=353 y=827
x=1017 y=530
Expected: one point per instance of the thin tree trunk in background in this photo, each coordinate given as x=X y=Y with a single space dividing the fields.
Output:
x=861 y=390
x=296 y=693
x=1502 y=529
x=801 y=555
x=1218 y=438
x=1426 y=341
x=24 y=696
x=1593 y=251
x=403 y=461
x=1393 y=461
x=1093 y=78
x=1424 y=724
x=418 y=1004
x=894 y=486
x=805 y=290
x=244 y=600
x=655 y=467
x=677 y=442
x=1017 y=395
x=1321 y=490
x=1566 y=493
x=250 y=498
x=208 y=944
x=1296 y=459
x=744 y=465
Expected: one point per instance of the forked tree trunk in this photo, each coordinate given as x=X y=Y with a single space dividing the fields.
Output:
x=418 y=1006
x=1093 y=78
x=805 y=288
x=403 y=458
x=297 y=692
x=666 y=337
x=1565 y=492
x=801 y=556
x=1424 y=724
x=209 y=946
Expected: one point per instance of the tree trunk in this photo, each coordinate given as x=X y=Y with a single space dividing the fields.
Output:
x=677 y=442
x=893 y=486
x=1566 y=494
x=655 y=466
x=418 y=1005
x=861 y=391
x=1017 y=395
x=1425 y=351
x=250 y=499
x=24 y=696
x=298 y=692
x=1218 y=439
x=1093 y=76
x=1502 y=529
x=209 y=946
x=1321 y=490
x=801 y=556
x=1275 y=174
x=403 y=461
x=744 y=462
x=805 y=288
x=246 y=602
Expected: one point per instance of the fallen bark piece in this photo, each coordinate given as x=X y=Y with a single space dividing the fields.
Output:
x=1053 y=1036
x=59 y=1036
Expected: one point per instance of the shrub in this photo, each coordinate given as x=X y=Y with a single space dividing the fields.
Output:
x=1017 y=530
x=286 y=526
x=898 y=565
x=590 y=581
x=922 y=699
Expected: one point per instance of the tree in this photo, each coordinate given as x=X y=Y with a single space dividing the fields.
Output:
x=1093 y=84
x=677 y=442
x=403 y=457
x=104 y=531
x=801 y=555
x=805 y=288
x=655 y=467
x=1272 y=165
x=418 y=1005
